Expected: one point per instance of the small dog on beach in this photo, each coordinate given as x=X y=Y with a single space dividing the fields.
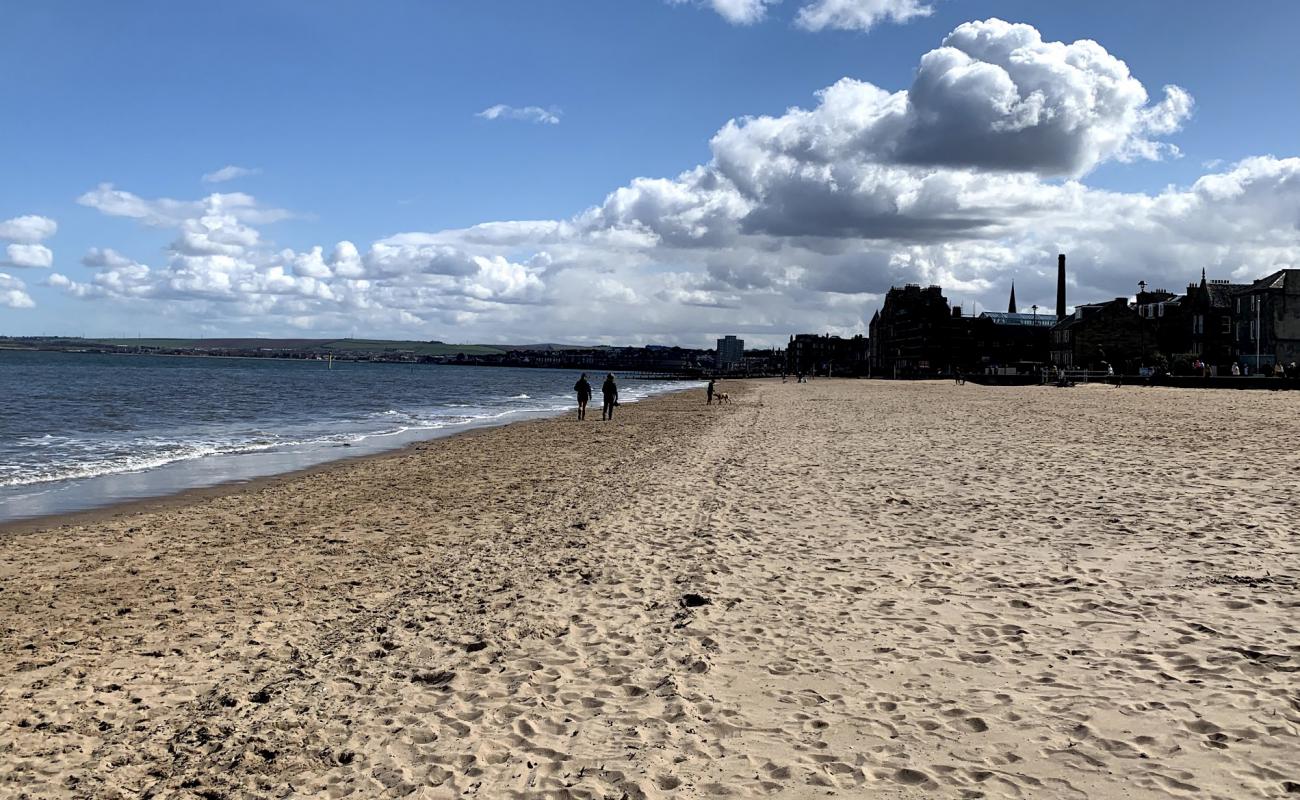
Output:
x=722 y=397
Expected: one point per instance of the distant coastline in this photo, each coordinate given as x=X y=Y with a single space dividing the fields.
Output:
x=659 y=361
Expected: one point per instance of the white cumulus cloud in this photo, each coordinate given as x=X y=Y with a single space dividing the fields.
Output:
x=28 y=255
x=28 y=229
x=25 y=251
x=13 y=293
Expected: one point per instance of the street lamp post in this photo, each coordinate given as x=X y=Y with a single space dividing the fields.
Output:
x=1034 y=308
x=1258 y=331
x=1142 y=343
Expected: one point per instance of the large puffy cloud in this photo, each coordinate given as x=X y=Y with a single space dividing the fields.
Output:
x=994 y=96
x=798 y=222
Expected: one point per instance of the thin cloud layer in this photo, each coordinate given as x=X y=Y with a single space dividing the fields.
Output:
x=817 y=15
x=229 y=173
x=537 y=114
x=165 y=212
x=798 y=222
x=737 y=12
x=859 y=15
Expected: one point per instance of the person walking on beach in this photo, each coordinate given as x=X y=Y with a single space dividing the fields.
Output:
x=610 y=391
x=708 y=393
x=584 y=394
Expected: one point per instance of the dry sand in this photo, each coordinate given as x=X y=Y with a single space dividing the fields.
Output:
x=853 y=589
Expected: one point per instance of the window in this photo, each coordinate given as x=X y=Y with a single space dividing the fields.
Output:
x=1226 y=328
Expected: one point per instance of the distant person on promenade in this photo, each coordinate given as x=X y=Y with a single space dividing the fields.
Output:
x=584 y=394
x=708 y=394
x=610 y=391
x=1236 y=370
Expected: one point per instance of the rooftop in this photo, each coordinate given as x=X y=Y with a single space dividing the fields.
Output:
x=1005 y=318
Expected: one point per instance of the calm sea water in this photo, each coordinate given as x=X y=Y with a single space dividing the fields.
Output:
x=82 y=430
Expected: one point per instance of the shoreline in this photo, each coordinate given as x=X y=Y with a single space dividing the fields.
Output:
x=184 y=496
x=189 y=497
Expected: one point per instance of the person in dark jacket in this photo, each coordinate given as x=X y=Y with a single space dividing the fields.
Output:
x=610 y=391
x=708 y=393
x=584 y=394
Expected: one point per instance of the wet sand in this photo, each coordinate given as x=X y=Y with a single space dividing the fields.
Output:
x=855 y=589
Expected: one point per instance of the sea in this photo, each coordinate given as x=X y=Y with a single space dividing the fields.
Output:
x=83 y=430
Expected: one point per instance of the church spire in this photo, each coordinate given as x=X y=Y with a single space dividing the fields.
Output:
x=1011 y=305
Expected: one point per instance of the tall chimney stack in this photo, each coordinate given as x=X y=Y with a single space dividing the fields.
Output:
x=1060 y=286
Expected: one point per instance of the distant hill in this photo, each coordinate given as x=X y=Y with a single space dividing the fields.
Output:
x=308 y=345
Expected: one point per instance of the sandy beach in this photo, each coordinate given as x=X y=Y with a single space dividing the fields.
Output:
x=842 y=588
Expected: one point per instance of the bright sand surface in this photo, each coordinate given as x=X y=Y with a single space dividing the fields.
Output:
x=908 y=590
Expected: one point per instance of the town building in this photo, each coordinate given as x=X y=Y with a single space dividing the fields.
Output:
x=811 y=354
x=1266 y=328
x=911 y=335
x=1208 y=323
x=1163 y=328
x=1097 y=335
x=997 y=341
x=731 y=353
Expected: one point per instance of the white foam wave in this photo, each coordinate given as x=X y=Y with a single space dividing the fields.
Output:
x=65 y=458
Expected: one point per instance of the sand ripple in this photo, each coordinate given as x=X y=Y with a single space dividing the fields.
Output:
x=856 y=589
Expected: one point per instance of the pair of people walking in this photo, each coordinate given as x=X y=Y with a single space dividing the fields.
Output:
x=608 y=391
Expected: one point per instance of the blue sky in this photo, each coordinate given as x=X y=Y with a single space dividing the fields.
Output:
x=361 y=122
